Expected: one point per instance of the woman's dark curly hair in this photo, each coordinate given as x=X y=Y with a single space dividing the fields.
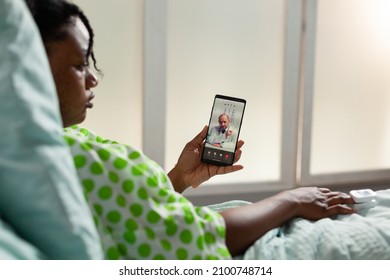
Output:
x=51 y=15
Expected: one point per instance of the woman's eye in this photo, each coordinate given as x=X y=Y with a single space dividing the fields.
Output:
x=82 y=67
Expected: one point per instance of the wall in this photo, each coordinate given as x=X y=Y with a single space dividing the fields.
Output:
x=117 y=112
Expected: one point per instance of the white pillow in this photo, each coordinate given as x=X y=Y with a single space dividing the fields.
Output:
x=40 y=195
x=12 y=247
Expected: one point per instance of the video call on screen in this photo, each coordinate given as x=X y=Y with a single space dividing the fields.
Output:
x=234 y=110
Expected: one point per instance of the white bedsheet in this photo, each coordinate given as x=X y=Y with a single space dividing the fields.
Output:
x=365 y=235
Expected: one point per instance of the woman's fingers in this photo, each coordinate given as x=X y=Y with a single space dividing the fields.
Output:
x=339 y=198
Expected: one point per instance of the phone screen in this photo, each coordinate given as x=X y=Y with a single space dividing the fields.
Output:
x=224 y=129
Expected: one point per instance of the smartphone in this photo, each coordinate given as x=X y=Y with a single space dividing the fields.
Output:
x=224 y=129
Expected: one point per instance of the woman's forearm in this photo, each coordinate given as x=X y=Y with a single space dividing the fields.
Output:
x=244 y=225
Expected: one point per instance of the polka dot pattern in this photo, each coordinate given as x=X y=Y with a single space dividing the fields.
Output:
x=136 y=210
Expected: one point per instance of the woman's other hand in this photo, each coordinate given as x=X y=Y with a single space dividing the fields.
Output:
x=315 y=203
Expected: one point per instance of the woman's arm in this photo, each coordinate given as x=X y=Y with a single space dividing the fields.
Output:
x=244 y=225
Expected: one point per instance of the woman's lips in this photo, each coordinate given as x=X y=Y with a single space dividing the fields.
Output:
x=89 y=103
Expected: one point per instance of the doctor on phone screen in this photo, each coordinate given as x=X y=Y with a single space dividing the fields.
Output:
x=222 y=135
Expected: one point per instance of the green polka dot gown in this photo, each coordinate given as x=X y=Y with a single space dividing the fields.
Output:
x=136 y=210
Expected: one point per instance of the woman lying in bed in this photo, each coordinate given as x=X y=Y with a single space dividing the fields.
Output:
x=138 y=208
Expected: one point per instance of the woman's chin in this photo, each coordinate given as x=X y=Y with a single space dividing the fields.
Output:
x=76 y=121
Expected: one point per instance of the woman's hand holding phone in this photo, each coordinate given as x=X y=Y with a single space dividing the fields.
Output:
x=191 y=171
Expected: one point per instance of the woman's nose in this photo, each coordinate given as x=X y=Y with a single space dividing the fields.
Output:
x=91 y=80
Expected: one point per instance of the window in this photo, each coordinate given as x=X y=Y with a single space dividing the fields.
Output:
x=313 y=72
x=347 y=92
x=294 y=67
x=213 y=47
